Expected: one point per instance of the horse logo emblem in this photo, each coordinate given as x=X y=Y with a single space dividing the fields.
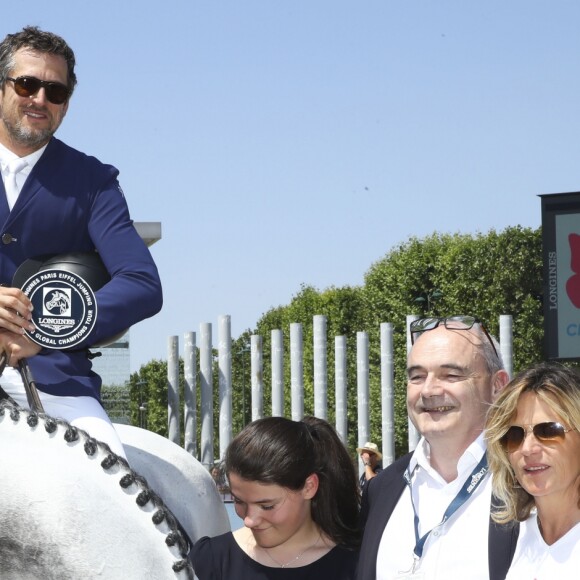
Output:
x=57 y=301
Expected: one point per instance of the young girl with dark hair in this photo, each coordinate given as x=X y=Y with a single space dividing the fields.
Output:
x=295 y=487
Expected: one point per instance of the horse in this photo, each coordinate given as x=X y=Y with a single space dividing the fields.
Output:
x=72 y=509
x=182 y=481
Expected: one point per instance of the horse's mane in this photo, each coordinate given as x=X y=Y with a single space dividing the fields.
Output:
x=176 y=537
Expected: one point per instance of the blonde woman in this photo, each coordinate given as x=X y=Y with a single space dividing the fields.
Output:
x=534 y=454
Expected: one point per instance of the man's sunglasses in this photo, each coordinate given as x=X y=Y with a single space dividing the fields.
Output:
x=451 y=323
x=543 y=432
x=56 y=93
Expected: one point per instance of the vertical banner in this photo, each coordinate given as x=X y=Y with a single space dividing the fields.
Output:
x=561 y=261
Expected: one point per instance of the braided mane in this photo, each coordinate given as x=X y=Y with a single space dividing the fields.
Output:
x=145 y=498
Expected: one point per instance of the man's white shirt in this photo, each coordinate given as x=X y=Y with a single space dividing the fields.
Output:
x=458 y=548
x=6 y=156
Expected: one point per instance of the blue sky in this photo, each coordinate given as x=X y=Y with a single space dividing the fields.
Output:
x=291 y=142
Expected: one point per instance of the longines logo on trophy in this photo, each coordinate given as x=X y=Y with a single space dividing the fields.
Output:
x=62 y=291
x=65 y=309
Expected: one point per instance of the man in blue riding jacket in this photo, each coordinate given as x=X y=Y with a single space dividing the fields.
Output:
x=55 y=199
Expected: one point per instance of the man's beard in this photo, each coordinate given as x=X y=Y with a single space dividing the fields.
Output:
x=24 y=136
x=27 y=137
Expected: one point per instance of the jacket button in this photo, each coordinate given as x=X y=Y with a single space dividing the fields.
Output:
x=8 y=239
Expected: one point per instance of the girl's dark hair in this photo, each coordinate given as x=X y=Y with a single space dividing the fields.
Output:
x=283 y=452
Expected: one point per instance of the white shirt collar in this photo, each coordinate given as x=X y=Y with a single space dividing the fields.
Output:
x=470 y=458
x=6 y=156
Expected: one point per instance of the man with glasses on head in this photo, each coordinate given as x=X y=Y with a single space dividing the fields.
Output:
x=55 y=200
x=428 y=514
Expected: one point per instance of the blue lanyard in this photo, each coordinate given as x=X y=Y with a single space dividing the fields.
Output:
x=468 y=488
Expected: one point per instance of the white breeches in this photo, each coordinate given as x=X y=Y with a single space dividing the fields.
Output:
x=83 y=412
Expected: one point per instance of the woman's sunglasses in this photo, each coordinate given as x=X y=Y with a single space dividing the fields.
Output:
x=543 y=432
x=56 y=93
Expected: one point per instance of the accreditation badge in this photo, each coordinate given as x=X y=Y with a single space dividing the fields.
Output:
x=413 y=573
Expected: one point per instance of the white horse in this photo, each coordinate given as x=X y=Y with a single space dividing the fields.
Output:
x=181 y=480
x=72 y=510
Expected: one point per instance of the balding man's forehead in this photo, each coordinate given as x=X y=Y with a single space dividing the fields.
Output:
x=442 y=335
x=447 y=347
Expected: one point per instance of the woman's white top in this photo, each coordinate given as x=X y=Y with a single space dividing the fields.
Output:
x=535 y=560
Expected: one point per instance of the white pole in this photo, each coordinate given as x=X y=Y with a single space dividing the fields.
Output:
x=340 y=379
x=506 y=342
x=257 y=365
x=414 y=435
x=387 y=393
x=206 y=384
x=173 y=410
x=225 y=381
x=320 y=367
x=296 y=371
x=190 y=393
x=277 y=373
x=362 y=380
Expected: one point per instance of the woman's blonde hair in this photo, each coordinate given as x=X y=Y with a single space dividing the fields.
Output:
x=556 y=385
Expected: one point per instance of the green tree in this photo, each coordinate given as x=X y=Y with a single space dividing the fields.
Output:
x=241 y=381
x=342 y=308
x=486 y=275
x=148 y=389
x=149 y=386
